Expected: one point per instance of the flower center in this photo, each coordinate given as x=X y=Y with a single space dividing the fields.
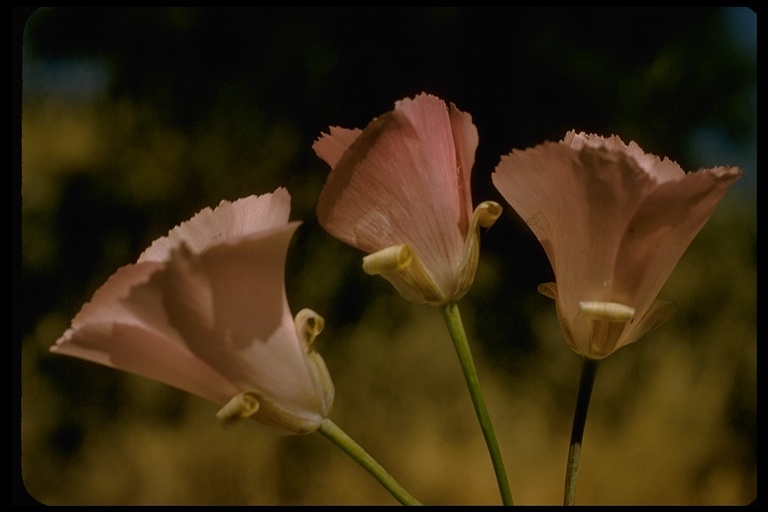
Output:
x=607 y=322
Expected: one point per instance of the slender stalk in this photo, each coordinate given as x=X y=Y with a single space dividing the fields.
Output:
x=338 y=437
x=587 y=381
x=456 y=328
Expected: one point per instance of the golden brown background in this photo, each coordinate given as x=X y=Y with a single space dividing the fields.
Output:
x=134 y=119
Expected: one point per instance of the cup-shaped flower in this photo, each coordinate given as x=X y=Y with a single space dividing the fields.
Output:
x=614 y=221
x=399 y=190
x=204 y=309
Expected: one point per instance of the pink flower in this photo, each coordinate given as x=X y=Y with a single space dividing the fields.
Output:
x=399 y=190
x=614 y=221
x=204 y=310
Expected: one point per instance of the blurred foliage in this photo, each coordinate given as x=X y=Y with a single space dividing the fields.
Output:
x=133 y=119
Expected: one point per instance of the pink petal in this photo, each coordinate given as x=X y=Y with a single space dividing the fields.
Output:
x=229 y=305
x=331 y=147
x=227 y=221
x=660 y=170
x=663 y=228
x=465 y=138
x=124 y=327
x=578 y=204
x=199 y=316
x=613 y=220
x=399 y=183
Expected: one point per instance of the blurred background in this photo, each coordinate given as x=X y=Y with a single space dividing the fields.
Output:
x=134 y=119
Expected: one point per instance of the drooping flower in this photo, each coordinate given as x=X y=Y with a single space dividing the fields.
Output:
x=399 y=190
x=613 y=221
x=204 y=309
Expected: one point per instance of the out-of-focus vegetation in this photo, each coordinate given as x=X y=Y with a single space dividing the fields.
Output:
x=134 y=119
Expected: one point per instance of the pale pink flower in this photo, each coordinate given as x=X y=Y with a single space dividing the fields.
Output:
x=204 y=309
x=614 y=221
x=399 y=190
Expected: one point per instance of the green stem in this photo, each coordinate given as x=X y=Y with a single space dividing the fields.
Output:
x=587 y=381
x=338 y=437
x=452 y=318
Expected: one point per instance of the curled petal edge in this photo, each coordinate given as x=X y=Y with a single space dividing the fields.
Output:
x=485 y=215
x=400 y=266
x=391 y=259
x=241 y=406
x=308 y=325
